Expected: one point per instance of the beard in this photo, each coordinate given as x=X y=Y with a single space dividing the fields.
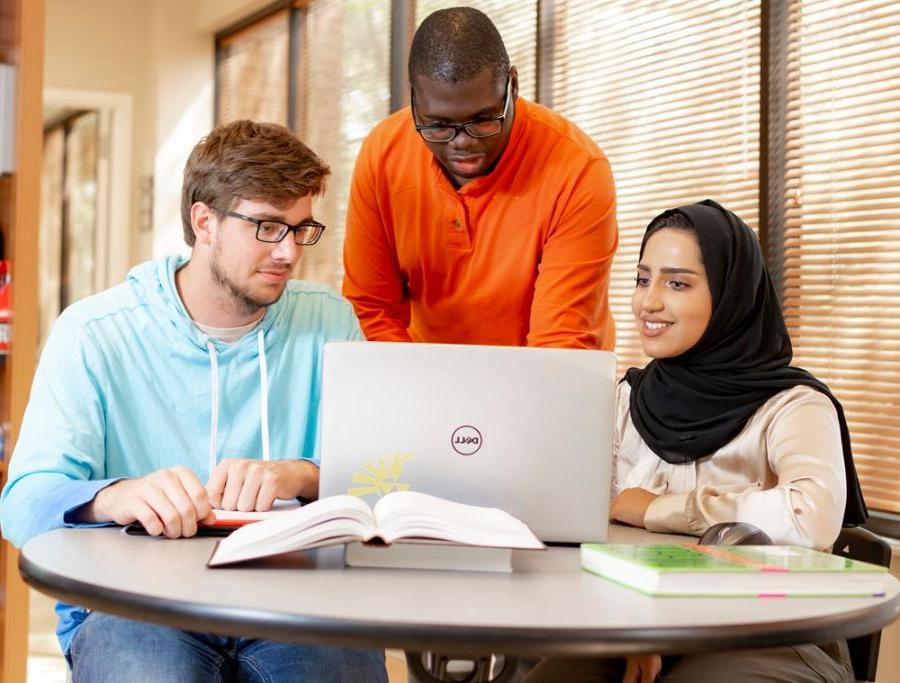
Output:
x=241 y=297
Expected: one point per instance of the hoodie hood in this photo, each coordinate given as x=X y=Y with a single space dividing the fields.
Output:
x=153 y=284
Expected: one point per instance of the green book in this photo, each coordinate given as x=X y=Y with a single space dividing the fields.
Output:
x=735 y=571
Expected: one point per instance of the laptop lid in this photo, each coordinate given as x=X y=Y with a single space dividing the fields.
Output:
x=528 y=430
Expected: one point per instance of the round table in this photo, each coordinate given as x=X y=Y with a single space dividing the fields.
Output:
x=547 y=606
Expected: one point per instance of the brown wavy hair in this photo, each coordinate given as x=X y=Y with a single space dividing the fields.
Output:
x=249 y=160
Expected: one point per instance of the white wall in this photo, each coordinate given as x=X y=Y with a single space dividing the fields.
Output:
x=161 y=53
x=96 y=45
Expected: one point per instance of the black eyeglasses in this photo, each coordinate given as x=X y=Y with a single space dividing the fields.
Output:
x=305 y=232
x=445 y=132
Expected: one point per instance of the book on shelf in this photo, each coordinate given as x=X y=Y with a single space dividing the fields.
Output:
x=732 y=571
x=425 y=526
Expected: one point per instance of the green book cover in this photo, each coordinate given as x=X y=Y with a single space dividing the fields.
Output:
x=739 y=570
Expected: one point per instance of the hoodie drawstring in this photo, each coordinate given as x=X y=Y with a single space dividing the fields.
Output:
x=214 y=426
x=263 y=400
x=263 y=395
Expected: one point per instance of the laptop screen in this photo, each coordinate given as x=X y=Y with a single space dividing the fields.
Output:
x=528 y=430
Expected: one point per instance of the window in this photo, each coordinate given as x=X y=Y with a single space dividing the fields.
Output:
x=837 y=226
x=252 y=71
x=670 y=92
x=345 y=91
x=305 y=67
x=51 y=228
x=69 y=239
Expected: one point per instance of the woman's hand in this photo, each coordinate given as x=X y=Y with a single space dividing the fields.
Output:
x=631 y=505
x=642 y=668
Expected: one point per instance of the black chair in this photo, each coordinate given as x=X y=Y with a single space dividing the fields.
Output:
x=857 y=543
x=854 y=543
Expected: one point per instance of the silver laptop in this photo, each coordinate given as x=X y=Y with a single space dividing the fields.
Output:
x=523 y=429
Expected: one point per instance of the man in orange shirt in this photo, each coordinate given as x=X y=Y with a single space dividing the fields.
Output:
x=475 y=216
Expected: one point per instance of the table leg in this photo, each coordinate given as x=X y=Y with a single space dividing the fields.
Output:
x=434 y=667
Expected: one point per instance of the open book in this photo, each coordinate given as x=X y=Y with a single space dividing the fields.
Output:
x=732 y=570
x=397 y=517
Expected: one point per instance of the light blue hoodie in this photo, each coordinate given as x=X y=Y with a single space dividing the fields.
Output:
x=127 y=385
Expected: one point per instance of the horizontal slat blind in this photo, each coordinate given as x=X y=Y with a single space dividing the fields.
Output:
x=670 y=91
x=517 y=23
x=344 y=91
x=253 y=72
x=842 y=220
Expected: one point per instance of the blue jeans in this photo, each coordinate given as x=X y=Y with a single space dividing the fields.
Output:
x=108 y=648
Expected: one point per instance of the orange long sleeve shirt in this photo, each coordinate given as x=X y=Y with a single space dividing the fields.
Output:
x=518 y=257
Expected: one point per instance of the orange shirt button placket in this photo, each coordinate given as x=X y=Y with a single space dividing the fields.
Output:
x=457 y=234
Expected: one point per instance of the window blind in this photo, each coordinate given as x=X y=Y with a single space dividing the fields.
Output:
x=517 y=24
x=841 y=220
x=252 y=72
x=344 y=91
x=670 y=92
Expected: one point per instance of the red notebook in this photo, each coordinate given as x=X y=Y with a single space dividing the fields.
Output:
x=235 y=518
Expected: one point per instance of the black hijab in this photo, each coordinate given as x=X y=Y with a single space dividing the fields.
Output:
x=689 y=406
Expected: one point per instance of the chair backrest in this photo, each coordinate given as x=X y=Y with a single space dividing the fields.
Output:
x=857 y=543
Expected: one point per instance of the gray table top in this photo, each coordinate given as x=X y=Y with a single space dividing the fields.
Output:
x=547 y=606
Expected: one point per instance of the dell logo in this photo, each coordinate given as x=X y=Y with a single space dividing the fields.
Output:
x=466 y=440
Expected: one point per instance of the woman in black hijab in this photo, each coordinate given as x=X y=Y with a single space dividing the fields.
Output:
x=727 y=401
x=719 y=427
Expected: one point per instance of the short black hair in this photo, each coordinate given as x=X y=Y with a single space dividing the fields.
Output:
x=456 y=44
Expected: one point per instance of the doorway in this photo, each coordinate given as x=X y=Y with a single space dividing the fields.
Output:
x=85 y=197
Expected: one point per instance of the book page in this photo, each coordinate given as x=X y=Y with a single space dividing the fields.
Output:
x=329 y=521
x=410 y=514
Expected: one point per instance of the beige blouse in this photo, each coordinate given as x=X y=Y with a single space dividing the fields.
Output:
x=784 y=472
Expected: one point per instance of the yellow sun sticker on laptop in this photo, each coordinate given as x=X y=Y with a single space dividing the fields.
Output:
x=381 y=477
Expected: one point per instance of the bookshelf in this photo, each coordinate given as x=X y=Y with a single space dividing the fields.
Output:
x=22 y=45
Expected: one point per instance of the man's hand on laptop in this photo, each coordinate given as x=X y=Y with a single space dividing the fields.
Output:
x=248 y=485
x=169 y=501
x=630 y=506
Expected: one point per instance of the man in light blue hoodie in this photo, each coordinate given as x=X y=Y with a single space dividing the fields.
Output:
x=191 y=371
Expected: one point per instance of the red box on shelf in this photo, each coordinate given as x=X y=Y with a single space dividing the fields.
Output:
x=5 y=307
